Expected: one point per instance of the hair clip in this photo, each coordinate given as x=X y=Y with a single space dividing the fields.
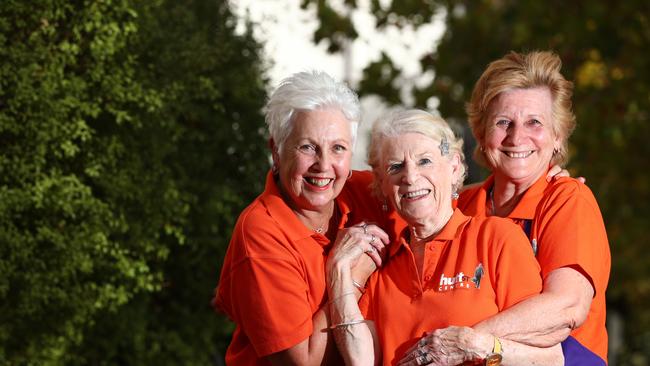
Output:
x=444 y=146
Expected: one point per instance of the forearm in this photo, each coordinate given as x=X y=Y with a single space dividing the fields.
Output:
x=536 y=321
x=318 y=349
x=515 y=354
x=548 y=318
x=351 y=333
x=479 y=344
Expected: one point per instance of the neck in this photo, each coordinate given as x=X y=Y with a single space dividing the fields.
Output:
x=425 y=231
x=316 y=220
x=505 y=194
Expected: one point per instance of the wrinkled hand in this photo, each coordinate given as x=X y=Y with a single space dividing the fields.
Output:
x=557 y=171
x=448 y=346
x=352 y=242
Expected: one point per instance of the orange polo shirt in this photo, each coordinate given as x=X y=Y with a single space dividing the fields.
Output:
x=473 y=268
x=569 y=231
x=273 y=276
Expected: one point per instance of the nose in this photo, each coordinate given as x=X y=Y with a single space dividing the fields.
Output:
x=324 y=159
x=516 y=134
x=410 y=174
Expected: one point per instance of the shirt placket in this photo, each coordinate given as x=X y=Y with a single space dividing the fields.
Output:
x=432 y=253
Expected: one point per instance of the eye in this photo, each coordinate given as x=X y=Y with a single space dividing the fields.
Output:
x=340 y=148
x=307 y=148
x=394 y=168
x=535 y=122
x=424 y=161
x=503 y=123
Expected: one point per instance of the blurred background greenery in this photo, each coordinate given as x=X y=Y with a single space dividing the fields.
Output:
x=131 y=136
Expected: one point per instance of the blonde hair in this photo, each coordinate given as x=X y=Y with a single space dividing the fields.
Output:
x=524 y=71
x=401 y=121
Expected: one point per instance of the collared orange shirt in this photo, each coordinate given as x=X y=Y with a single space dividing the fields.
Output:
x=473 y=268
x=273 y=276
x=568 y=229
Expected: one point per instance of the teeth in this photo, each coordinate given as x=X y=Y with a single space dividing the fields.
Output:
x=418 y=193
x=319 y=182
x=518 y=155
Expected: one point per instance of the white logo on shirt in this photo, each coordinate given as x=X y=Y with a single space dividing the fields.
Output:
x=461 y=280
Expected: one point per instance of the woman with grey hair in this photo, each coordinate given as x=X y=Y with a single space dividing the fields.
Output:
x=272 y=283
x=444 y=269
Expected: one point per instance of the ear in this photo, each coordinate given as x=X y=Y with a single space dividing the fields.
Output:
x=456 y=166
x=557 y=143
x=274 y=152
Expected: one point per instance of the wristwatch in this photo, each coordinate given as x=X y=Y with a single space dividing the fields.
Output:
x=494 y=358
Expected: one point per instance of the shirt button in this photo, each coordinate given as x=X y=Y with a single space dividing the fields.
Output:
x=427 y=277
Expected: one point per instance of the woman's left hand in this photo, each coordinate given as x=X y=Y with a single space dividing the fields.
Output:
x=448 y=346
x=352 y=242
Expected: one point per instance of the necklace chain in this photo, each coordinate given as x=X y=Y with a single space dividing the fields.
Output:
x=335 y=215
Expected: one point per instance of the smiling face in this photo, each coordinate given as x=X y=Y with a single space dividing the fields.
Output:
x=315 y=159
x=519 y=139
x=417 y=179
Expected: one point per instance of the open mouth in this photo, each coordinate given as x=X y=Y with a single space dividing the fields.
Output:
x=518 y=154
x=318 y=182
x=414 y=195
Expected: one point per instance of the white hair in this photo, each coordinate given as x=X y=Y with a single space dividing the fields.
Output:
x=308 y=91
x=401 y=121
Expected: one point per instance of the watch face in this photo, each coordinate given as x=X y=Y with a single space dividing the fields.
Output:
x=493 y=360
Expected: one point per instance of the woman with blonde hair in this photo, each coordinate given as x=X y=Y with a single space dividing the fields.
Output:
x=521 y=115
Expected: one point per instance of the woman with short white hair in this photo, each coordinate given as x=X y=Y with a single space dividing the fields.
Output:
x=272 y=283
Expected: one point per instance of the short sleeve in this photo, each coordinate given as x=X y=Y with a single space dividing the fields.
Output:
x=572 y=233
x=265 y=289
x=270 y=301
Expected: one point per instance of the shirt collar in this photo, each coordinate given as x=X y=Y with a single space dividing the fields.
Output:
x=526 y=207
x=450 y=231
x=281 y=213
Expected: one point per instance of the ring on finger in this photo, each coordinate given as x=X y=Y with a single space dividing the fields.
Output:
x=365 y=228
x=372 y=238
x=422 y=342
x=421 y=360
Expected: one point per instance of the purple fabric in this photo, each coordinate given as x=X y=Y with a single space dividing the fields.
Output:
x=575 y=354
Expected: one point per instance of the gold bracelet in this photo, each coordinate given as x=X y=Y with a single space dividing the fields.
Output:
x=347 y=324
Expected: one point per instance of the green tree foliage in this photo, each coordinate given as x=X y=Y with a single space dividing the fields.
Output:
x=604 y=47
x=130 y=139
